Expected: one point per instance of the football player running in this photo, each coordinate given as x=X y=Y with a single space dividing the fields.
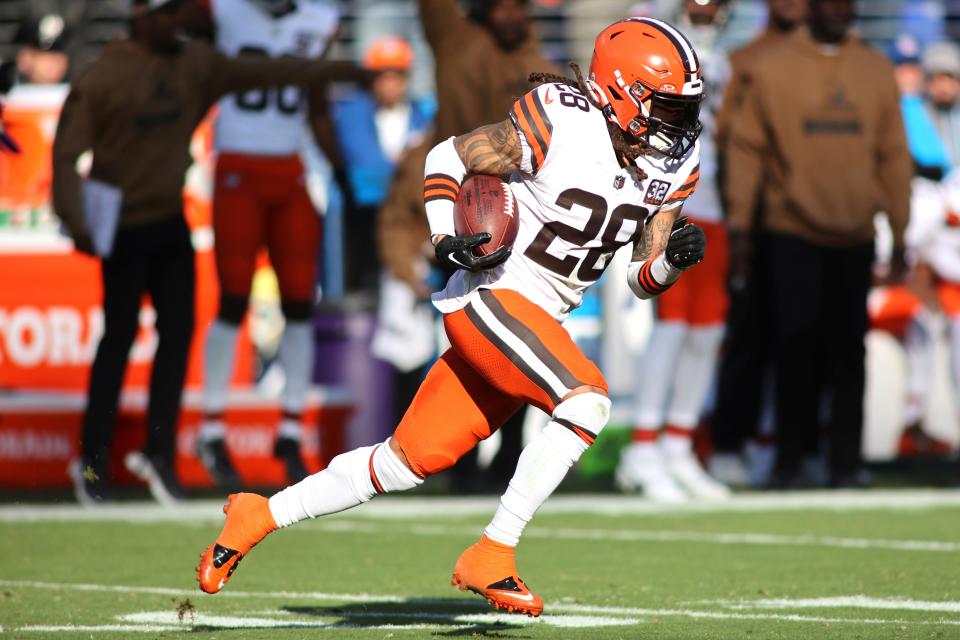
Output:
x=593 y=164
x=260 y=200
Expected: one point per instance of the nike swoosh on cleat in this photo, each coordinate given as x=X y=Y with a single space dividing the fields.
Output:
x=526 y=598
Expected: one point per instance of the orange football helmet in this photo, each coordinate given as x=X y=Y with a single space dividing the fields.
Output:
x=647 y=77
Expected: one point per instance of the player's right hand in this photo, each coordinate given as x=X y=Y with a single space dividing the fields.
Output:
x=456 y=252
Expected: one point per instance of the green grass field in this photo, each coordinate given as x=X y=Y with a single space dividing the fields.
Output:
x=867 y=566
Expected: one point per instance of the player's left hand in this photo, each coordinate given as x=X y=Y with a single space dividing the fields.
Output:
x=686 y=246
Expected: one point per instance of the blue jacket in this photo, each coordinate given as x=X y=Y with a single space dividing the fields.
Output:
x=925 y=145
x=369 y=171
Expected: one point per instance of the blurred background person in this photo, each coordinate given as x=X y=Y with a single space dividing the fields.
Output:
x=941 y=65
x=377 y=127
x=41 y=57
x=260 y=201
x=136 y=108
x=679 y=363
x=909 y=311
x=482 y=59
x=820 y=141
x=745 y=376
x=374 y=127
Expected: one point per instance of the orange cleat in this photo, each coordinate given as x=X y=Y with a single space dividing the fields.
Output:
x=248 y=522
x=488 y=569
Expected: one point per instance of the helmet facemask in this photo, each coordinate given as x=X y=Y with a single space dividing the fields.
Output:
x=667 y=122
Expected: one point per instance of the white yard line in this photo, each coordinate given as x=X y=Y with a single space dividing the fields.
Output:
x=633 y=535
x=555 y=607
x=850 y=602
x=449 y=619
x=419 y=507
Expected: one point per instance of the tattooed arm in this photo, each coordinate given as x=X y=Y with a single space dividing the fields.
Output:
x=656 y=233
x=492 y=149
x=666 y=248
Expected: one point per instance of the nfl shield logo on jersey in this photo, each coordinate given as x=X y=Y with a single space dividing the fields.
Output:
x=618 y=182
x=656 y=192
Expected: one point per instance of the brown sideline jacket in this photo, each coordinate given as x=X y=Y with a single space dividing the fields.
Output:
x=820 y=140
x=742 y=61
x=477 y=83
x=402 y=227
x=137 y=111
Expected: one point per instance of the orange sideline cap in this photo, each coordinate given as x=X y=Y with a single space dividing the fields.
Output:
x=390 y=52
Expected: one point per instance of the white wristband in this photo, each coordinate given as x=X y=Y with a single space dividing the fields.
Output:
x=664 y=272
x=443 y=172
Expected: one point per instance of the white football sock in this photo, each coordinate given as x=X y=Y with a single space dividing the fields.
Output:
x=677 y=442
x=345 y=483
x=954 y=327
x=655 y=373
x=693 y=375
x=296 y=358
x=544 y=463
x=919 y=346
x=218 y=358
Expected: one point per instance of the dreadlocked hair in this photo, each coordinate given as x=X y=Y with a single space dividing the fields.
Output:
x=617 y=138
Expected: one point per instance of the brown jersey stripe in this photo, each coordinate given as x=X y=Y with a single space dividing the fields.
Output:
x=522 y=118
x=441 y=176
x=442 y=182
x=441 y=187
x=511 y=355
x=531 y=339
x=528 y=104
x=438 y=196
x=540 y=118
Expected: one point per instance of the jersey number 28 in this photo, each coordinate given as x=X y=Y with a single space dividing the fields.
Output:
x=586 y=267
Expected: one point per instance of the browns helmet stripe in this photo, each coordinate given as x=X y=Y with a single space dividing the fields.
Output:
x=691 y=62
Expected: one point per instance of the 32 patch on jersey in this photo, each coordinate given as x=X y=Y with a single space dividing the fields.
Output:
x=656 y=192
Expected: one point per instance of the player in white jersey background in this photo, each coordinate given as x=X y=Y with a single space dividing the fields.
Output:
x=679 y=364
x=260 y=201
x=594 y=165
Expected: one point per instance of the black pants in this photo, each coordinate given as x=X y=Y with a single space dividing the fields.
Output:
x=155 y=258
x=744 y=363
x=361 y=258
x=819 y=320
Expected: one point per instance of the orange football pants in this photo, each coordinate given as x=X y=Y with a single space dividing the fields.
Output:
x=258 y=202
x=506 y=351
x=700 y=297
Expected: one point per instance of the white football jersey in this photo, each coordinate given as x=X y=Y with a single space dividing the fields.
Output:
x=268 y=121
x=941 y=247
x=705 y=203
x=577 y=204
